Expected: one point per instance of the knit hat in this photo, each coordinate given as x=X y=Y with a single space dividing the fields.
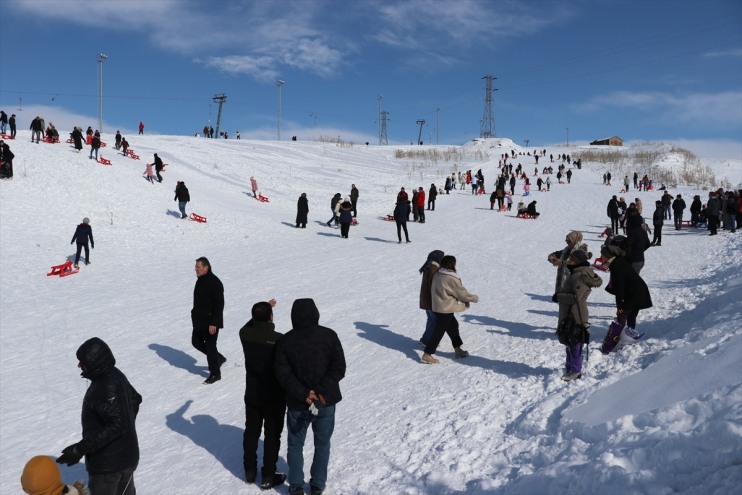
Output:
x=41 y=476
x=86 y=220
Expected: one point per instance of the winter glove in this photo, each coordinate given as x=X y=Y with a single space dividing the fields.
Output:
x=70 y=455
x=554 y=298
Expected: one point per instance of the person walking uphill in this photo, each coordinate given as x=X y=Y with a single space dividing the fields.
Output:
x=254 y=187
x=678 y=206
x=182 y=197
x=354 y=199
x=310 y=363
x=449 y=296
x=345 y=217
x=158 y=167
x=109 y=436
x=83 y=234
x=207 y=317
x=333 y=206
x=573 y=299
x=265 y=400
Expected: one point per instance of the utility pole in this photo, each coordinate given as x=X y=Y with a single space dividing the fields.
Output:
x=421 y=123
x=219 y=99
x=437 y=123
x=382 y=138
x=381 y=97
x=280 y=85
x=487 y=127
x=101 y=58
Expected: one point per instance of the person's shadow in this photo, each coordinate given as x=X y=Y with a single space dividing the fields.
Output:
x=224 y=442
x=179 y=359
x=381 y=335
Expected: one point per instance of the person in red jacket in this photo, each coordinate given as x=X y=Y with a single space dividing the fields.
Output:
x=421 y=204
x=141 y=127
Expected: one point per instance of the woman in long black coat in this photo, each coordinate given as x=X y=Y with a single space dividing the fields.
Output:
x=302 y=209
x=632 y=293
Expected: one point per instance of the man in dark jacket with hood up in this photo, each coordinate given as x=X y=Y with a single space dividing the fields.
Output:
x=309 y=366
x=109 y=410
x=207 y=317
x=265 y=400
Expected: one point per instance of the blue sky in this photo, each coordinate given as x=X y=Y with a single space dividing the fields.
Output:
x=642 y=70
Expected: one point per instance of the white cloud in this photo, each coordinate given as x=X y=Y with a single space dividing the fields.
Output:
x=714 y=109
x=734 y=53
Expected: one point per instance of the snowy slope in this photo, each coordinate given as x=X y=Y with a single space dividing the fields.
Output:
x=660 y=417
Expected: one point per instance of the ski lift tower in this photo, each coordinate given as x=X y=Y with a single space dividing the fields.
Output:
x=421 y=123
x=219 y=99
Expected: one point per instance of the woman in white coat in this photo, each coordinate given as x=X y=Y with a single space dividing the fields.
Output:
x=448 y=296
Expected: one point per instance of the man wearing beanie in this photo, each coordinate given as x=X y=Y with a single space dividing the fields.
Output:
x=41 y=476
x=83 y=234
x=109 y=410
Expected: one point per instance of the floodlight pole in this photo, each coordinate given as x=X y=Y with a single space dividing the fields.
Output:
x=280 y=85
x=101 y=58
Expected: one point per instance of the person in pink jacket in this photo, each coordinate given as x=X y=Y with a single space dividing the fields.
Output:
x=449 y=296
x=149 y=173
x=254 y=185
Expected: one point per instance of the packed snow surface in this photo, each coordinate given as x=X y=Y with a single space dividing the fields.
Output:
x=662 y=416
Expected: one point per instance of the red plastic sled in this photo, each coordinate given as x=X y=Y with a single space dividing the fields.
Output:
x=63 y=270
x=197 y=218
x=130 y=154
x=263 y=199
x=104 y=161
x=5 y=136
x=600 y=265
x=389 y=218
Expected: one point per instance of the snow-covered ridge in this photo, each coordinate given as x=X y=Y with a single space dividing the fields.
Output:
x=659 y=417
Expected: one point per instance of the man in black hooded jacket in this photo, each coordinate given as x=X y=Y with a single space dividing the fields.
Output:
x=309 y=366
x=109 y=410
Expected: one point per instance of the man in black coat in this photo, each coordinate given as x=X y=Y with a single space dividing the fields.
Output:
x=265 y=400
x=309 y=366
x=354 y=199
x=612 y=212
x=207 y=317
x=109 y=410
x=432 y=194
x=678 y=206
x=83 y=234
x=637 y=240
x=182 y=196
x=158 y=167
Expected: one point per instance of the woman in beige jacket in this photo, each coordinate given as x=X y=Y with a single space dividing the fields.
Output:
x=449 y=296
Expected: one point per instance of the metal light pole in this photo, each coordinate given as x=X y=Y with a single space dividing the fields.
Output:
x=101 y=58
x=567 y=135
x=380 y=98
x=437 y=124
x=280 y=85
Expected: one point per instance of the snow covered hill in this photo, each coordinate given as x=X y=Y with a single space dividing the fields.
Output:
x=662 y=416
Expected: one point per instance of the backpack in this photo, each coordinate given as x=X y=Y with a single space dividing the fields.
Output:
x=570 y=333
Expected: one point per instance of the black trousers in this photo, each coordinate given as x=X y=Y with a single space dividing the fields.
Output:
x=400 y=226
x=657 y=240
x=268 y=417
x=79 y=250
x=344 y=229
x=444 y=323
x=203 y=341
x=421 y=214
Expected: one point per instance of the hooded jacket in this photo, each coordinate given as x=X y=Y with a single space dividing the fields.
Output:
x=302 y=208
x=575 y=291
x=309 y=357
x=181 y=192
x=629 y=288
x=109 y=410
